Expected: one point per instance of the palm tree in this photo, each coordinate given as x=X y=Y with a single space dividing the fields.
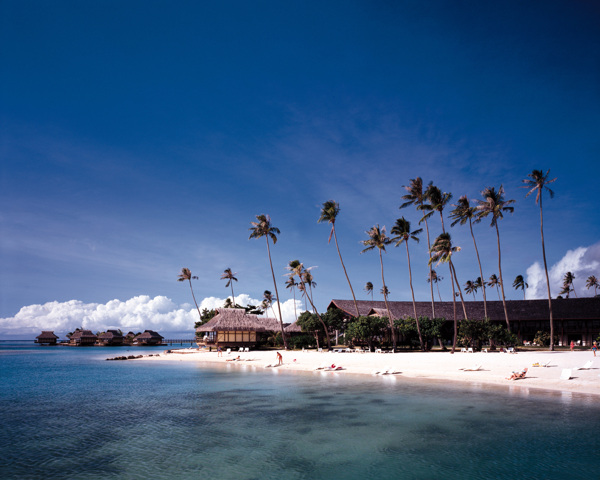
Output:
x=385 y=291
x=403 y=234
x=494 y=282
x=442 y=251
x=267 y=302
x=291 y=283
x=416 y=197
x=493 y=204
x=463 y=213
x=306 y=278
x=520 y=283
x=568 y=280
x=378 y=239
x=592 y=281
x=437 y=202
x=538 y=182
x=433 y=277
x=369 y=289
x=471 y=288
x=263 y=228
x=186 y=274
x=230 y=277
x=329 y=213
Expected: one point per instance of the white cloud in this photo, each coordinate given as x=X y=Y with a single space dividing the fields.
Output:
x=136 y=314
x=582 y=262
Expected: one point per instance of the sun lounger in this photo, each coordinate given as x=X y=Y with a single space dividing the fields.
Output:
x=485 y=350
x=388 y=371
x=228 y=351
x=247 y=349
x=320 y=350
x=566 y=374
x=511 y=350
x=538 y=364
x=378 y=350
x=587 y=366
x=463 y=350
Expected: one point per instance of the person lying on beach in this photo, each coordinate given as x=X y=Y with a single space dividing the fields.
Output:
x=237 y=359
x=517 y=375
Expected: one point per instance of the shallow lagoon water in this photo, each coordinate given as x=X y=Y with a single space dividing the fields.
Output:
x=68 y=414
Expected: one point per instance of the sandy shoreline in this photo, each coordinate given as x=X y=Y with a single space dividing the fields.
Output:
x=495 y=366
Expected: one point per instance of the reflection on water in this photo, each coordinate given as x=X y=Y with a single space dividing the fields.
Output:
x=77 y=416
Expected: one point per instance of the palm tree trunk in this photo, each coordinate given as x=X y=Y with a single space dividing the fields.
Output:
x=391 y=320
x=413 y=299
x=194 y=297
x=454 y=307
x=462 y=300
x=438 y=289
x=431 y=279
x=345 y=272
x=480 y=270
x=547 y=278
x=233 y=298
x=322 y=323
x=285 y=344
x=295 y=312
x=502 y=280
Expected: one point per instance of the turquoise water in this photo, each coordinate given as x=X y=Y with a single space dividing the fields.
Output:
x=68 y=414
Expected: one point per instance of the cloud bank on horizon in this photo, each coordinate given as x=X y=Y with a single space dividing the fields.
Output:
x=582 y=262
x=136 y=314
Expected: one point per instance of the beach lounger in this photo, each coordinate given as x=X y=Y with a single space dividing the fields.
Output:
x=389 y=371
x=587 y=366
x=247 y=349
x=485 y=350
x=463 y=350
x=566 y=374
x=511 y=350
x=228 y=351
x=378 y=350
x=470 y=350
x=538 y=364
x=320 y=350
x=241 y=349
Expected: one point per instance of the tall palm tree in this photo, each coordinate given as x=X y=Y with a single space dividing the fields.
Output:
x=592 y=281
x=267 y=302
x=493 y=204
x=442 y=251
x=385 y=291
x=538 y=182
x=437 y=202
x=186 y=274
x=520 y=283
x=416 y=197
x=230 y=277
x=471 y=288
x=369 y=289
x=433 y=277
x=403 y=234
x=291 y=283
x=306 y=278
x=463 y=213
x=329 y=213
x=378 y=239
x=494 y=282
x=568 y=280
x=263 y=228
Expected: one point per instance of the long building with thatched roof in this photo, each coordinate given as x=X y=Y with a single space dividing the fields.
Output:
x=233 y=327
x=575 y=319
x=46 y=338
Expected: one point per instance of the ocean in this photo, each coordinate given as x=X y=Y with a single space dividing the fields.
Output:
x=69 y=414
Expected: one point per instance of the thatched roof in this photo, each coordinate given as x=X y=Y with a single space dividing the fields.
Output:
x=149 y=334
x=236 y=319
x=293 y=328
x=83 y=334
x=47 y=335
x=563 y=309
x=110 y=335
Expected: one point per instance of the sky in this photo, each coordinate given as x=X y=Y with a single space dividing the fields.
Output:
x=140 y=137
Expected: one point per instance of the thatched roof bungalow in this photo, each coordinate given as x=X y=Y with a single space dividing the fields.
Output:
x=46 y=338
x=233 y=327
x=575 y=319
x=82 y=338
x=110 y=337
x=149 y=337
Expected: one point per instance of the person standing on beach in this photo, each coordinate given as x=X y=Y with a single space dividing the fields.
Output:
x=279 y=359
x=594 y=348
x=219 y=352
x=572 y=345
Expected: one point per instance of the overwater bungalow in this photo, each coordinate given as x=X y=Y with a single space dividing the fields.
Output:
x=82 y=338
x=46 y=338
x=233 y=327
x=575 y=319
x=149 y=337
x=110 y=338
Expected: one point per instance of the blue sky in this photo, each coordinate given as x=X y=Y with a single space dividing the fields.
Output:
x=138 y=138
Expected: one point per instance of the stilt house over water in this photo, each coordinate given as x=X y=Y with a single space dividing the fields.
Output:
x=46 y=338
x=233 y=327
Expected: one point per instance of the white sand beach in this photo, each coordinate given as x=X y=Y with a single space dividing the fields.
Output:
x=494 y=367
